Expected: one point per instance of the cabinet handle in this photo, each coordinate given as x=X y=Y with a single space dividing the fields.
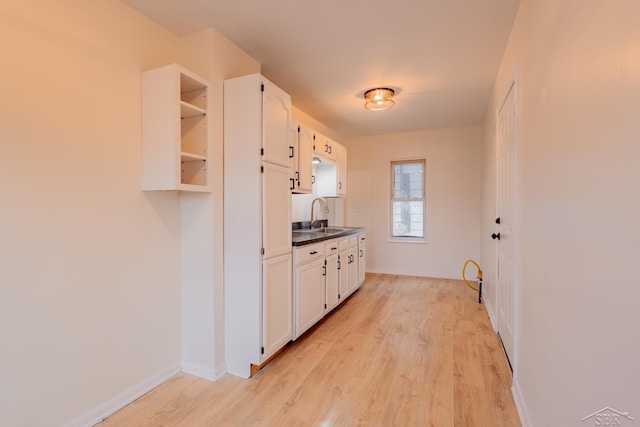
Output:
x=324 y=270
x=297 y=176
x=361 y=255
x=291 y=152
x=313 y=179
x=333 y=249
x=330 y=149
x=339 y=264
x=362 y=238
x=292 y=183
x=339 y=185
x=313 y=252
x=326 y=148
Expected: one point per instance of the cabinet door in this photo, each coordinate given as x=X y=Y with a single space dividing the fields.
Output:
x=293 y=156
x=276 y=117
x=309 y=295
x=341 y=164
x=305 y=158
x=332 y=280
x=276 y=210
x=277 y=304
x=343 y=276
x=354 y=279
x=362 y=252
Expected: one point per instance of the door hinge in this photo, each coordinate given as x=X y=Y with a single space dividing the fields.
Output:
x=325 y=306
x=262 y=151
x=261 y=169
x=262 y=350
x=262 y=87
x=261 y=251
x=298 y=128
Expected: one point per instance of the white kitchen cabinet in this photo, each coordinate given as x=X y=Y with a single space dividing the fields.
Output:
x=301 y=154
x=276 y=290
x=325 y=147
x=332 y=176
x=175 y=130
x=305 y=159
x=309 y=286
x=343 y=268
x=352 y=261
x=362 y=253
x=333 y=275
x=257 y=222
x=276 y=232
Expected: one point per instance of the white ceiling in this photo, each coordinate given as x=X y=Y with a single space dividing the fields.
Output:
x=441 y=56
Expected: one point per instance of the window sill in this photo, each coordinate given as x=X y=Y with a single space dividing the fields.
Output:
x=414 y=240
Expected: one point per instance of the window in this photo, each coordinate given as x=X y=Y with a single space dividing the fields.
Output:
x=407 y=200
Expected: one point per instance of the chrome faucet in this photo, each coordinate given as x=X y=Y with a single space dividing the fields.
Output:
x=326 y=210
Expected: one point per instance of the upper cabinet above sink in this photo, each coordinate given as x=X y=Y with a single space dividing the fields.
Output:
x=332 y=177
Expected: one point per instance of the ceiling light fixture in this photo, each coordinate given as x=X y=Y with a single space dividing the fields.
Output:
x=380 y=98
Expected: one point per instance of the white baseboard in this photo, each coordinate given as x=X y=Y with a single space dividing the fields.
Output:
x=520 y=404
x=412 y=273
x=113 y=405
x=205 y=372
x=491 y=314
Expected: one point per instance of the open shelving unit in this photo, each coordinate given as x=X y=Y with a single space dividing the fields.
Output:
x=175 y=130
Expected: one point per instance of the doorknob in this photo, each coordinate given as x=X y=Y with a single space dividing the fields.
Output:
x=495 y=236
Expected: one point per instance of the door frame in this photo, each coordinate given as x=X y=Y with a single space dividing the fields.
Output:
x=512 y=84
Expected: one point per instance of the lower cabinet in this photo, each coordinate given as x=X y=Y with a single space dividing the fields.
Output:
x=332 y=279
x=309 y=287
x=353 y=262
x=362 y=252
x=277 y=322
x=325 y=274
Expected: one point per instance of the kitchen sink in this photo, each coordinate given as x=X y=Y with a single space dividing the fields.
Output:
x=327 y=230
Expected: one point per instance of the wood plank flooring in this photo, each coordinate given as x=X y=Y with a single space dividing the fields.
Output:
x=401 y=351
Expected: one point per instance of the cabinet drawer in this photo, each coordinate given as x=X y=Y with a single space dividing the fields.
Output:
x=308 y=253
x=353 y=241
x=343 y=244
x=331 y=247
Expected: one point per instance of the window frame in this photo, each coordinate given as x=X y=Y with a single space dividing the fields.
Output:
x=423 y=199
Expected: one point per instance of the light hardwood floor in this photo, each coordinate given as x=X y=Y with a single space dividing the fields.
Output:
x=401 y=351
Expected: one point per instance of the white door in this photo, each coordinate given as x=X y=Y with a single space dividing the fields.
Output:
x=504 y=235
x=276 y=115
x=276 y=210
x=277 y=304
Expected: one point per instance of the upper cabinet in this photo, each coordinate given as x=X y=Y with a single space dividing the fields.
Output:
x=325 y=147
x=175 y=130
x=302 y=158
x=276 y=109
x=332 y=176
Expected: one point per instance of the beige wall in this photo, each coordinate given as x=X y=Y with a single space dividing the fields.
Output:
x=578 y=72
x=453 y=186
x=90 y=265
x=106 y=290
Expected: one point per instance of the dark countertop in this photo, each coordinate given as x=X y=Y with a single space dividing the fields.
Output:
x=306 y=237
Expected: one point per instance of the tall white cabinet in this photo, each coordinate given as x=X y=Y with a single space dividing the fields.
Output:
x=257 y=222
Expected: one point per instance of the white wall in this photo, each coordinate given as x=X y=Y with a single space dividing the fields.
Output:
x=453 y=192
x=579 y=96
x=89 y=264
